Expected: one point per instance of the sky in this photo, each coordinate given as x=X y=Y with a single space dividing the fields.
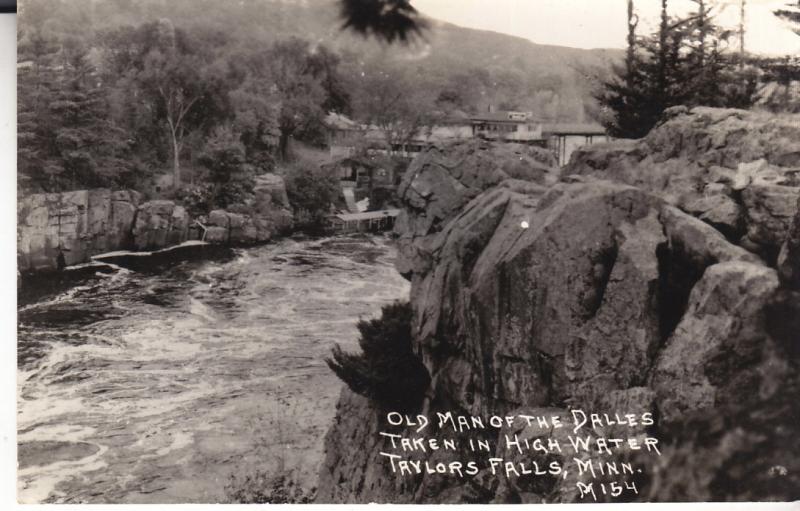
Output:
x=602 y=23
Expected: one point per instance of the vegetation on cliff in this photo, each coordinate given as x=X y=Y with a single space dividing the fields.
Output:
x=386 y=371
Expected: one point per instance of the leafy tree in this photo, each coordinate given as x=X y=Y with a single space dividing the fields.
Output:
x=298 y=91
x=229 y=173
x=387 y=101
x=255 y=116
x=324 y=64
x=175 y=78
x=311 y=192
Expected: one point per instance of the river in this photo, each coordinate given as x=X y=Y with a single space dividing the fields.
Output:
x=158 y=386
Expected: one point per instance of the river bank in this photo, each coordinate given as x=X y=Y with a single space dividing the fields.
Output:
x=66 y=229
x=138 y=386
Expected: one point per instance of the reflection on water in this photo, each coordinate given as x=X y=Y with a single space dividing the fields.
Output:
x=138 y=387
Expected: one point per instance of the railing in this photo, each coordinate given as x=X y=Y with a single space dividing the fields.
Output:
x=205 y=230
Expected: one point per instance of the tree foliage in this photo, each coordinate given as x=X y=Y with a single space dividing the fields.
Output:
x=158 y=81
x=791 y=13
x=65 y=137
x=298 y=87
x=387 y=370
x=389 y=20
x=231 y=177
x=267 y=487
x=389 y=102
x=174 y=75
x=686 y=62
x=311 y=191
x=117 y=105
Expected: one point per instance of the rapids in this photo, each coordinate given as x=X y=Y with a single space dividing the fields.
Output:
x=156 y=386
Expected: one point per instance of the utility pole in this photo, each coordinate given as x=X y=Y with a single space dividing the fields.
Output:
x=633 y=20
x=742 y=5
x=662 y=47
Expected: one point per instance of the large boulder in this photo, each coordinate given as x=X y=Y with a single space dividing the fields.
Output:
x=259 y=226
x=770 y=210
x=443 y=179
x=160 y=224
x=124 y=204
x=700 y=365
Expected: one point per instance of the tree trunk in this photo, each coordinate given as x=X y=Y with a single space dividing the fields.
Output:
x=176 y=162
x=703 y=29
x=742 y=10
x=283 y=144
x=631 y=54
x=662 y=49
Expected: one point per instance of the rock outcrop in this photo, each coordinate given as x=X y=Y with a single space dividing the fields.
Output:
x=80 y=223
x=269 y=215
x=440 y=182
x=84 y=223
x=613 y=290
x=271 y=189
x=738 y=171
x=159 y=224
x=789 y=257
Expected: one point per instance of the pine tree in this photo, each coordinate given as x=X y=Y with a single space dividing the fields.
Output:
x=91 y=149
x=683 y=63
x=792 y=14
x=632 y=96
x=36 y=164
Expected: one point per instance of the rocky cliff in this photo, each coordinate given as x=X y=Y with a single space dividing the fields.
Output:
x=84 y=223
x=641 y=280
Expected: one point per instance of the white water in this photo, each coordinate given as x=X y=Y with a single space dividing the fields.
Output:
x=144 y=388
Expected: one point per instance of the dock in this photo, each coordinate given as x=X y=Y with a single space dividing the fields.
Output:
x=368 y=221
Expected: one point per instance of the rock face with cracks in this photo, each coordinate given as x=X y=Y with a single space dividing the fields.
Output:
x=608 y=290
x=84 y=223
x=738 y=171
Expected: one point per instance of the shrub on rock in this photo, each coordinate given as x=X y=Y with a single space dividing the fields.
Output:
x=386 y=371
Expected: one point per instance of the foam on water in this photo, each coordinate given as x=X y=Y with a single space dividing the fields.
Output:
x=181 y=379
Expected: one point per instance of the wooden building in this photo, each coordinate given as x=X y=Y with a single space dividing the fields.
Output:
x=508 y=126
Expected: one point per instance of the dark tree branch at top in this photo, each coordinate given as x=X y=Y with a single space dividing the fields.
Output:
x=390 y=20
x=792 y=15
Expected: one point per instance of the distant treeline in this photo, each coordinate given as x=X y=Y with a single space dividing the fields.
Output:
x=116 y=93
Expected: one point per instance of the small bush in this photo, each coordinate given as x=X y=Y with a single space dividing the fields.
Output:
x=386 y=371
x=267 y=488
x=311 y=192
x=197 y=199
x=231 y=177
